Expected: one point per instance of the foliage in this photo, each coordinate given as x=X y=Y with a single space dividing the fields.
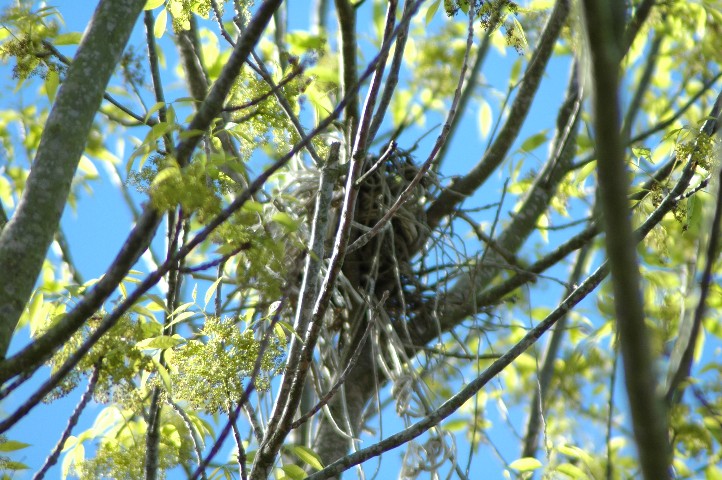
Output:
x=396 y=216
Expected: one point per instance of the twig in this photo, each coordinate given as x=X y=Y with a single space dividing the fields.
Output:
x=72 y=421
x=495 y=154
x=139 y=118
x=323 y=401
x=195 y=439
x=440 y=141
x=456 y=401
x=275 y=90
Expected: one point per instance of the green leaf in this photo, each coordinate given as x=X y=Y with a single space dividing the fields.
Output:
x=543 y=225
x=307 y=456
x=74 y=457
x=485 y=119
x=51 y=84
x=211 y=290
x=286 y=221
x=14 y=466
x=431 y=11
x=179 y=318
x=531 y=143
x=164 y=376
x=159 y=302
x=190 y=134
x=160 y=23
x=571 y=471
x=182 y=308
x=152 y=110
x=151 y=4
x=301 y=42
x=458 y=425
x=644 y=153
x=254 y=207
x=584 y=172
x=526 y=464
x=273 y=307
x=34 y=317
x=160 y=342
x=294 y=472
x=12 y=445
x=71 y=38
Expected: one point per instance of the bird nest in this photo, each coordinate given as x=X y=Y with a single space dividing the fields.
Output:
x=384 y=263
x=383 y=266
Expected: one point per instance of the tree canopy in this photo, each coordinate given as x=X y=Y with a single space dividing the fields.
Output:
x=381 y=237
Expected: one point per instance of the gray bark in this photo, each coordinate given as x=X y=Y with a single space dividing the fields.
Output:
x=25 y=239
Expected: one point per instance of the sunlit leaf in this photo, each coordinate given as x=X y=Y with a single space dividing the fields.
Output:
x=526 y=464
x=160 y=23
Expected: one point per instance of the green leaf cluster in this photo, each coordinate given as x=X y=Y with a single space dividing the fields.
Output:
x=210 y=373
x=24 y=33
x=182 y=10
x=260 y=119
x=196 y=189
x=114 y=354
x=121 y=450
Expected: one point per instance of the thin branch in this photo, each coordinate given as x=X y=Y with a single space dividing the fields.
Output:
x=546 y=373
x=218 y=261
x=323 y=401
x=274 y=90
x=233 y=417
x=471 y=83
x=471 y=389
x=195 y=438
x=678 y=114
x=311 y=272
x=346 y=14
x=635 y=25
x=649 y=417
x=407 y=193
x=643 y=86
x=219 y=20
x=285 y=104
x=139 y=118
x=610 y=415
x=464 y=186
x=392 y=78
x=687 y=341
x=62 y=241
x=149 y=22
x=72 y=422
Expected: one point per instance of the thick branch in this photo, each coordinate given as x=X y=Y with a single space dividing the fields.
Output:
x=346 y=12
x=458 y=303
x=465 y=186
x=26 y=237
x=455 y=402
x=648 y=414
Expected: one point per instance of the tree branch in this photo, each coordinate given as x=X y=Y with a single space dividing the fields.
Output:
x=649 y=417
x=462 y=187
x=25 y=239
x=455 y=402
